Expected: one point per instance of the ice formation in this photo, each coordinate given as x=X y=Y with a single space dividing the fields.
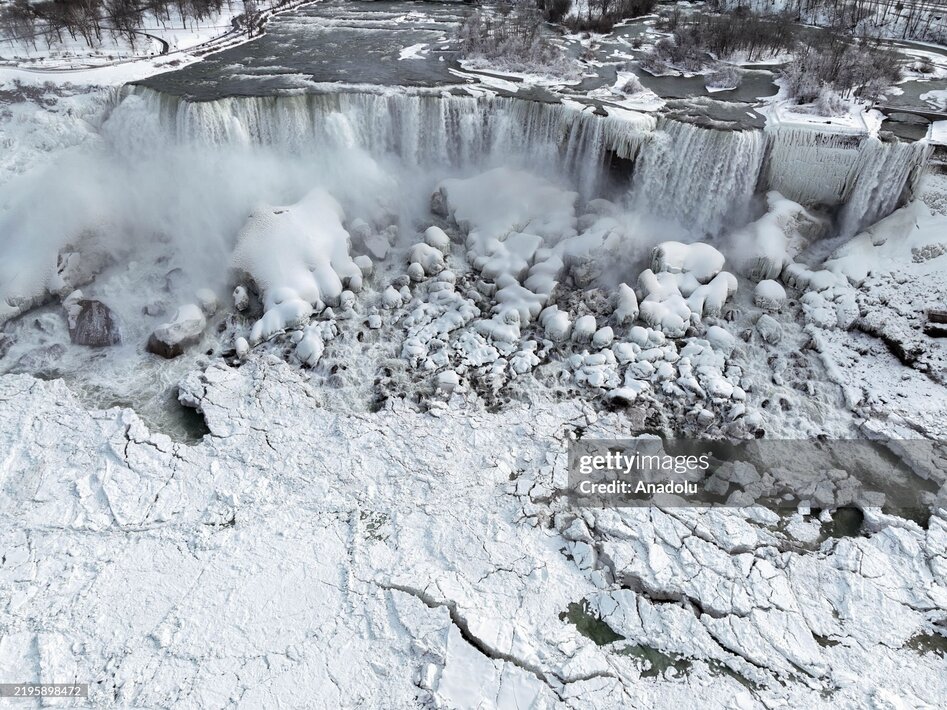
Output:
x=298 y=258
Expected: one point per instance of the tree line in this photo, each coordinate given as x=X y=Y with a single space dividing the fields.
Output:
x=51 y=22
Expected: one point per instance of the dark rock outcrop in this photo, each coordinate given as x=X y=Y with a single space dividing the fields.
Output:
x=171 y=339
x=95 y=325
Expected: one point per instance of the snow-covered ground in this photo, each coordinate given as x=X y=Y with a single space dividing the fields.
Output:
x=161 y=43
x=347 y=491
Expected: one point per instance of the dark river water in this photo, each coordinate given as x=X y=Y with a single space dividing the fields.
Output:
x=330 y=43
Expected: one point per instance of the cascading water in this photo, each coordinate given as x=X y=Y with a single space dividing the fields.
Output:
x=420 y=129
x=879 y=179
x=869 y=177
x=701 y=178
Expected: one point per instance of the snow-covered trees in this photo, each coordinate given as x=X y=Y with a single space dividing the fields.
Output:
x=862 y=69
x=511 y=35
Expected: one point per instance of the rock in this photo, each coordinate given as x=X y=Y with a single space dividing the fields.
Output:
x=377 y=246
x=242 y=347
x=310 y=347
x=769 y=295
x=170 y=339
x=6 y=342
x=415 y=271
x=390 y=298
x=364 y=264
x=603 y=337
x=769 y=328
x=173 y=280
x=437 y=238
x=241 y=299
x=583 y=329
x=556 y=325
x=448 y=381
x=626 y=305
x=430 y=258
x=374 y=321
x=720 y=339
x=94 y=325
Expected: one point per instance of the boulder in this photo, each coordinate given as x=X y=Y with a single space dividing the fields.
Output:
x=769 y=328
x=171 y=339
x=94 y=324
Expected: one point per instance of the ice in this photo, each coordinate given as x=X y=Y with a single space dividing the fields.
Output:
x=769 y=295
x=298 y=258
x=413 y=431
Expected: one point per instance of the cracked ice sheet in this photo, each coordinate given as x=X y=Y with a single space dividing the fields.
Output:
x=393 y=559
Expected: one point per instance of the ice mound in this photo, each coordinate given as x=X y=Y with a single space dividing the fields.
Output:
x=684 y=284
x=298 y=258
x=511 y=219
x=770 y=243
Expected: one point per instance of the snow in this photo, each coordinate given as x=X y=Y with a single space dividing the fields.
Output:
x=176 y=536
x=298 y=258
x=859 y=119
x=937 y=133
x=769 y=295
x=937 y=99
x=415 y=51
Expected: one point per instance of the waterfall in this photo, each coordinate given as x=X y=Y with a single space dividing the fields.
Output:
x=702 y=178
x=865 y=175
x=420 y=129
x=879 y=179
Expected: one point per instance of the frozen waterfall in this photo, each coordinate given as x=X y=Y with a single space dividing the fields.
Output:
x=702 y=178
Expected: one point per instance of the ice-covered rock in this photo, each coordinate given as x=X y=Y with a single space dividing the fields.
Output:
x=365 y=265
x=603 y=337
x=430 y=258
x=415 y=272
x=763 y=248
x=688 y=286
x=170 y=339
x=310 y=347
x=583 y=329
x=769 y=328
x=448 y=380
x=701 y=260
x=556 y=324
x=769 y=295
x=626 y=305
x=296 y=255
x=720 y=339
x=241 y=299
x=207 y=300
x=391 y=298
x=437 y=238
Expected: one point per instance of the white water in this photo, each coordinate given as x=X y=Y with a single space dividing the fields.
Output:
x=419 y=129
x=704 y=179
x=869 y=177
